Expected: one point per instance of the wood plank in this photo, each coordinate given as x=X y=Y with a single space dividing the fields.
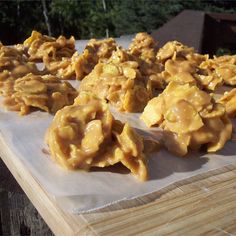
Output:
x=206 y=204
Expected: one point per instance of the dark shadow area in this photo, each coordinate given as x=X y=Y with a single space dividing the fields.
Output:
x=219 y=34
x=168 y=164
x=117 y=168
x=24 y=230
x=228 y=150
x=162 y=163
x=7 y=181
x=17 y=214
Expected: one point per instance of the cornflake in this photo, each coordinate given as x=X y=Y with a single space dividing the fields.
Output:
x=219 y=70
x=229 y=101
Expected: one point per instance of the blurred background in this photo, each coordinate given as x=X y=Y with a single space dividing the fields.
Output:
x=94 y=18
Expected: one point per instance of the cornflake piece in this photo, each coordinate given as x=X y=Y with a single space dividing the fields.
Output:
x=45 y=92
x=229 y=101
x=190 y=118
x=227 y=73
x=85 y=135
x=44 y=48
x=222 y=69
x=207 y=76
x=121 y=84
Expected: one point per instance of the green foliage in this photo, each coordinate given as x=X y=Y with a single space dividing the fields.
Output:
x=80 y=18
x=88 y=18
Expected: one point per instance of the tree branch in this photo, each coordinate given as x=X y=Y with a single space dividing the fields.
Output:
x=45 y=13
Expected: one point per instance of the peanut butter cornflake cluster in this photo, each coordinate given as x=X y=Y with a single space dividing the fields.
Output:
x=79 y=65
x=85 y=135
x=125 y=81
x=144 y=47
x=224 y=67
x=55 y=53
x=13 y=65
x=189 y=117
x=45 y=92
x=184 y=65
x=95 y=51
x=121 y=85
x=44 y=48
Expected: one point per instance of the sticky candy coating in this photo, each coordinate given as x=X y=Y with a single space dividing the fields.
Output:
x=85 y=135
x=121 y=84
x=190 y=118
x=229 y=101
x=45 y=92
x=42 y=47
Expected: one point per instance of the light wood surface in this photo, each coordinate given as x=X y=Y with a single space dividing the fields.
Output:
x=202 y=205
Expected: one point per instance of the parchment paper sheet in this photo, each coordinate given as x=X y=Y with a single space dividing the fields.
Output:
x=79 y=191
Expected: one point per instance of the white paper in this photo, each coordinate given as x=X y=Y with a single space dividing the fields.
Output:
x=79 y=191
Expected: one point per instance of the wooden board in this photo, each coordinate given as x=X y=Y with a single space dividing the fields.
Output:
x=205 y=204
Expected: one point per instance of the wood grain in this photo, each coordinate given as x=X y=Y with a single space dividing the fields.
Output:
x=202 y=205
